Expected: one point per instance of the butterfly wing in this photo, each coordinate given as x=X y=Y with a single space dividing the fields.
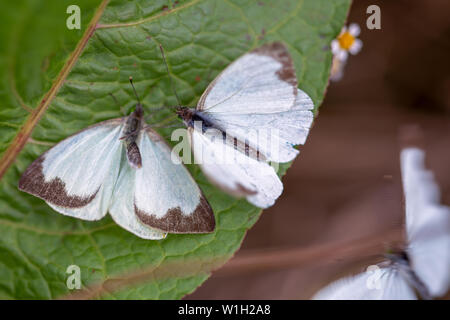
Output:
x=166 y=196
x=429 y=249
x=122 y=206
x=388 y=285
x=258 y=94
x=427 y=223
x=77 y=176
x=263 y=80
x=233 y=171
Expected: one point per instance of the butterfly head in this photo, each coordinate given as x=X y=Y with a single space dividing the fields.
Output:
x=185 y=114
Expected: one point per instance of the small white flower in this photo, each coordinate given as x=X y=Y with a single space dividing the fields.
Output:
x=346 y=42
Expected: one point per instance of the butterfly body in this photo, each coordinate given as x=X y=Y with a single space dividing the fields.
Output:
x=133 y=127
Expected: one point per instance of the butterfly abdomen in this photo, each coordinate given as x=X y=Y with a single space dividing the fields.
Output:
x=134 y=155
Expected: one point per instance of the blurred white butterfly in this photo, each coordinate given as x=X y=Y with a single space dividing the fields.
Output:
x=253 y=100
x=123 y=167
x=423 y=268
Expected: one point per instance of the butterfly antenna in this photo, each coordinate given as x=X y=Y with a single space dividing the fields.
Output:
x=134 y=89
x=170 y=77
x=114 y=98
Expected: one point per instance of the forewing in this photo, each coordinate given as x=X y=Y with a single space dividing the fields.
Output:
x=76 y=177
x=427 y=223
x=419 y=187
x=233 y=171
x=166 y=196
x=261 y=81
x=388 y=284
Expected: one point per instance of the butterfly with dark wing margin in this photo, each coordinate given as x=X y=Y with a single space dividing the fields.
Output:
x=125 y=168
x=250 y=115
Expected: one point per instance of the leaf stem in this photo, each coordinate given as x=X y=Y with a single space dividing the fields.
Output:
x=285 y=258
x=24 y=133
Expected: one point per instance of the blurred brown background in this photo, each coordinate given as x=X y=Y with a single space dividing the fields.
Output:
x=342 y=203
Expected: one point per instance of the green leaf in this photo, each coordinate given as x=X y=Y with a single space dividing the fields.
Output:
x=200 y=39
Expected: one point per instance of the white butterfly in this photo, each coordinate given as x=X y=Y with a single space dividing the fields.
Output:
x=423 y=268
x=253 y=99
x=125 y=168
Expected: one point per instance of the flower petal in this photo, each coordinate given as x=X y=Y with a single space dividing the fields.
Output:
x=356 y=46
x=342 y=55
x=354 y=29
x=335 y=47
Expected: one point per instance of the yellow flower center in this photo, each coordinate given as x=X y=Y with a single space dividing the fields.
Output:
x=346 y=40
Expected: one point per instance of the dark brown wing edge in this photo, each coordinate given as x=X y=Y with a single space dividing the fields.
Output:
x=174 y=221
x=33 y=182
x=279 y=52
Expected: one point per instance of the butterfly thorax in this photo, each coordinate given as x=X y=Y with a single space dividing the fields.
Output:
x=190 y=116
x=133 y=126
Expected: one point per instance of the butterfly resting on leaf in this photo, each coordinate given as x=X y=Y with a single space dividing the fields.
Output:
x=122 y=167
x=253 y=114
